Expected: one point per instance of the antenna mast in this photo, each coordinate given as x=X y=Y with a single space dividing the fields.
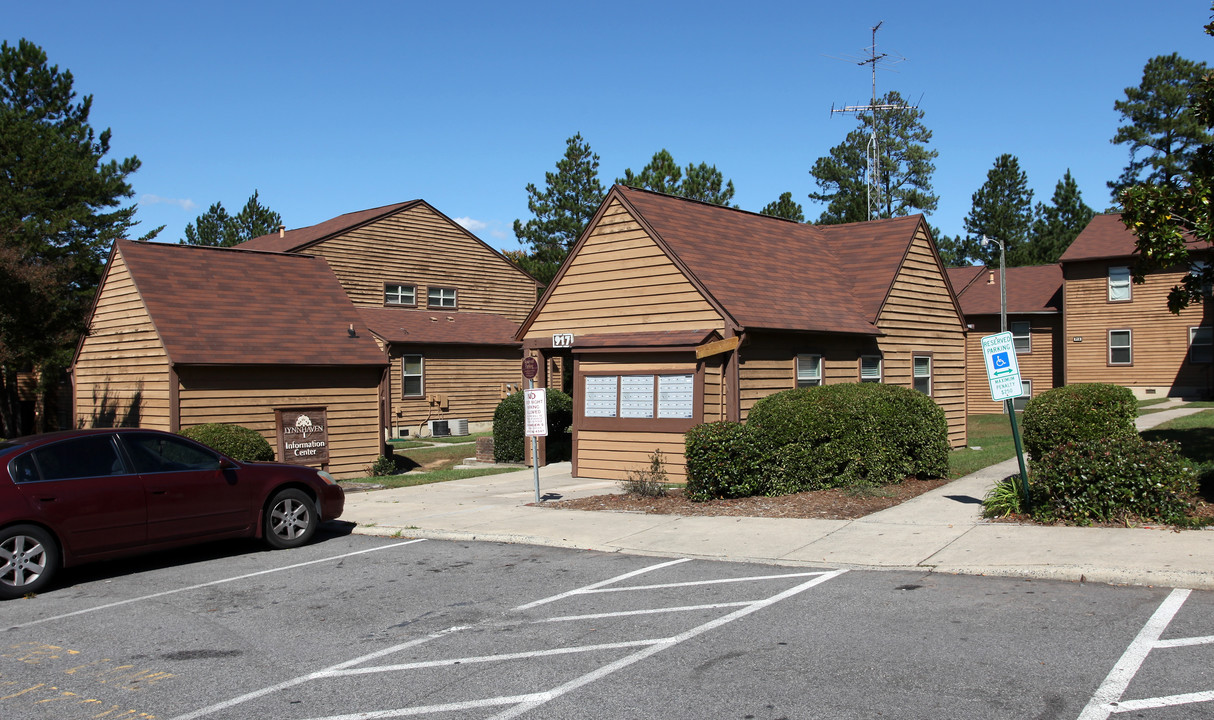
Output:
x=872 y=171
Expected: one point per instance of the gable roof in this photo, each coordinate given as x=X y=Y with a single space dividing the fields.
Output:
x=223 y=306
x=1032 y=289
x=400 y=325
x=763 y=272
x=1104 y=237
x=295 y=240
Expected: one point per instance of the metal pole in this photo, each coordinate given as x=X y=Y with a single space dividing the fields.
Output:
x=1024 y=476
x=535 y=450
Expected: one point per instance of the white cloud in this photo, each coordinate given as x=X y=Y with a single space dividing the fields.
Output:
x=499 y=234
x=470 y=224
x=183 y=203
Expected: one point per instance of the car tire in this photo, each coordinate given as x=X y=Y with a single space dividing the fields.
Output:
x=290 y=519
x=29 y=559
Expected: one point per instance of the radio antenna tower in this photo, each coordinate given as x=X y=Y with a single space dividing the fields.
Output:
x=872 y=170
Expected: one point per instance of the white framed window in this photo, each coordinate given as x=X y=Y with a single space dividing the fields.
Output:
x=870 y=368
x=809 y=370
x=1201 y=344
x=1119 y=284
x=1022 y=336
x=412 y=376
x=1121 y=350
x=1026 y=392
x=396 y=294
x=441 y=297
x=923 y=373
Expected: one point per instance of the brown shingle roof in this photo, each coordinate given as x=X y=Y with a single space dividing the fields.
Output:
x=775 y=274
x=1030 y=289
x=222 y=306
x=1104 y=237
x=398 y=325
x=293 y=240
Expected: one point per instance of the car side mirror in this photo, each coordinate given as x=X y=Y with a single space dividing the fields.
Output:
x=227 y=464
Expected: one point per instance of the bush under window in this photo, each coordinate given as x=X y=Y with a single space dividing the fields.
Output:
x=1083 y=414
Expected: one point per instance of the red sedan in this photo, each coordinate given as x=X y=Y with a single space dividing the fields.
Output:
x=72 y=497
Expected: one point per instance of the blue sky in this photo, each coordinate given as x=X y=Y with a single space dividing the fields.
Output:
x=326 y=108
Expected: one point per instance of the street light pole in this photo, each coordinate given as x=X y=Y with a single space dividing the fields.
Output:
x=1009 y=404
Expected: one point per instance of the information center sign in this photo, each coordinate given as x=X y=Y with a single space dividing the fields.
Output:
x=1002 y=371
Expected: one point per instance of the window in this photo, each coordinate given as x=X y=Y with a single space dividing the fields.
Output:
x=809 y=370
x=90 y=456
x=411 y=376
x=1197 y=269
x=1201 y=344
x=1021 y=337
x=441 y=298
x=923 y=374
x=400 y=294
x=1026 y=392
x=156 y=453
x=870 y=368
x=1119 y=284
x=1120 y=350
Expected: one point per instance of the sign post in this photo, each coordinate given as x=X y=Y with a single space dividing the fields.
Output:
x=1003 y=373
x=535 y=413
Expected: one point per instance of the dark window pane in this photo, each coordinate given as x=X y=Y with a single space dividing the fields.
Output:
x=92 y=456
x=157 y=453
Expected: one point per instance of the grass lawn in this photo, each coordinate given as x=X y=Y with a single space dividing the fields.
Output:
x=991 y=433
x=1195 y=433
x=426 y=464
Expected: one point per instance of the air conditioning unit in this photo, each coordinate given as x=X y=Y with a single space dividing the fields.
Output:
x=459 y=427
x=439 y=428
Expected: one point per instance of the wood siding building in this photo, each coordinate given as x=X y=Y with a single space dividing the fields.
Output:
x=676 y=312
x=182 y=335
x=1120 y=332
x=442 y=304
x=1034 y=316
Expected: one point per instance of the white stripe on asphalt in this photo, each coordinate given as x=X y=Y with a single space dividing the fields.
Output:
x=209 y=584
x=597 y=585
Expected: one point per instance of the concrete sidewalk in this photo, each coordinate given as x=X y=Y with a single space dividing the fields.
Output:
x=939 y=531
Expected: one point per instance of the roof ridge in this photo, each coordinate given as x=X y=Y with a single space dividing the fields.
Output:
x=705 y=203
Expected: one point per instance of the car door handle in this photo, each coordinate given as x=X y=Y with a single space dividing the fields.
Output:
x=159 y=492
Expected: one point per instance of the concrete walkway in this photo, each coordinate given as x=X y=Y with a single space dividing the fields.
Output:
x=939 y=531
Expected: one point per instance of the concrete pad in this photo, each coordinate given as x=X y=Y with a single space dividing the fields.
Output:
x=734 y=538
x=879 y=545
x=570 y=528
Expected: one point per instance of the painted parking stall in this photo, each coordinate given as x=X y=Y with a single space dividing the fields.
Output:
x=527 y=669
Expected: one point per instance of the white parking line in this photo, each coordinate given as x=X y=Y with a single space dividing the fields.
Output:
x=209 y=584
x=1107 y=699
x=597 y=585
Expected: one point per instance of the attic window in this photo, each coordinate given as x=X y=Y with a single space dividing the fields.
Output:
x=395 y=294
x=441 y=297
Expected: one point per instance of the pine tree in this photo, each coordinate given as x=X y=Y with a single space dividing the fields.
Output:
x=1057 y=224
x=1002 y=210
x=59 y=213
x=701 y=182
x=564 y=207
x=786 y=208
x=1161 y=128
x=906 y=166
x=216 y=228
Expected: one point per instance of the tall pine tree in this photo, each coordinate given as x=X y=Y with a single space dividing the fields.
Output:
x=570 y=197
x=1057 y=224
x=217 y=228
x=701 y=182
x=1003 y=211
x=906 y=167
x=1161 y=128
x=785 y=207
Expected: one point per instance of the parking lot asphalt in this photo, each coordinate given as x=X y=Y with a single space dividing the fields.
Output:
x=941 y=530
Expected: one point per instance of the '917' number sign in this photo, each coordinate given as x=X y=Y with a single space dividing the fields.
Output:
x=562 y=340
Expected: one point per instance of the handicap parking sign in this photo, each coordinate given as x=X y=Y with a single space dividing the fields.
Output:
x=1002 y=371
x=1001 y=363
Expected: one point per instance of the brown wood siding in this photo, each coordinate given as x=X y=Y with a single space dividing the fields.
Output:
x=1042 y=365
x=422 y=248
x=919 y=317
x=715 y=401
x=769 y=362
x=122 y=363
x=620 y=281
x=471 y=378
x=1159 y=339
x=610 y=454
x=249 y=396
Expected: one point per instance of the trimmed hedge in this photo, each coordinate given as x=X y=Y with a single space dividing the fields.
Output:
x=509 y=424
x=235 y=441
x=1084 y=414
x=855 y=433
x=722 y=462
x=813 y=438
x=1112 y=480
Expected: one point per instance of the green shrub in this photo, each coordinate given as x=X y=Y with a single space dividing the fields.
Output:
x=1112 y=480
x=238 y=443
x=1081 y=414
x=650 y=481
x=850 y=434
x=509 y=424
x=722 y=461
x=383 y=466
x=1004 y=499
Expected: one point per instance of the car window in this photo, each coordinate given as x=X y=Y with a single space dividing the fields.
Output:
x=22 y=469
x=164 y=453
x=91 y=456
